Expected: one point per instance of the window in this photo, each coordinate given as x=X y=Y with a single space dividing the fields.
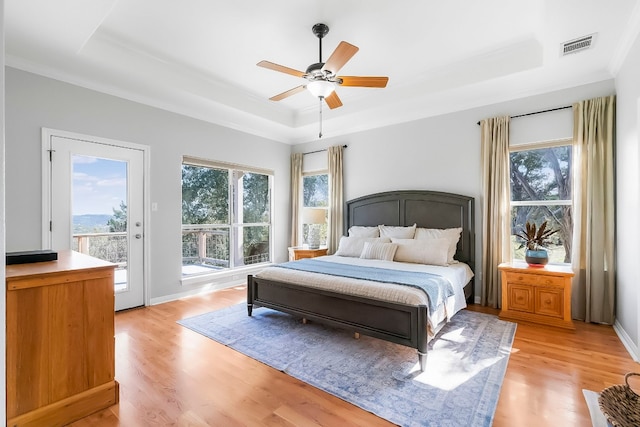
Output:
x=315 y=194
x=226 y=217
x=541 y=181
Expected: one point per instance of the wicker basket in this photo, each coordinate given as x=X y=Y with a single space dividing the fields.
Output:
x=620 y=404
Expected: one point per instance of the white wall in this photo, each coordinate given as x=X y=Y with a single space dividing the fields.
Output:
x=628 y=198
x=33 y=102
x=443 y=153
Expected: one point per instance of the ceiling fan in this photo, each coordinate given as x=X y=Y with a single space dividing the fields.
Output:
x=321 y=76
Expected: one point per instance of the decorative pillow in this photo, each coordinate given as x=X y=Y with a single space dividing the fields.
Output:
x=451 y=234
x=397 y=232
x=377 y=250
x=352 y=246
x=360 y=231
x=422 y=251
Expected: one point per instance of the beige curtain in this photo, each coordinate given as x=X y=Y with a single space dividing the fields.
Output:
x=594 y=288
x=495 y=206
x=296 y=190
x=336 y=198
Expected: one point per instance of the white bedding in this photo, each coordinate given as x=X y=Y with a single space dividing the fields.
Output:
x=458 y=274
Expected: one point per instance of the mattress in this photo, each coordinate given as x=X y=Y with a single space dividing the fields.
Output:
x=458 y=275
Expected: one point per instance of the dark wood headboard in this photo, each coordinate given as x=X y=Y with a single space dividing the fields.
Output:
x=428 y=209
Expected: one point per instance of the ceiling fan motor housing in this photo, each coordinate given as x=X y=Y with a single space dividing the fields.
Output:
x=320 y=30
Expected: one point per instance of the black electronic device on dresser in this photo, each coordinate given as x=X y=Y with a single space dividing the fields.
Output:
x=26 y=257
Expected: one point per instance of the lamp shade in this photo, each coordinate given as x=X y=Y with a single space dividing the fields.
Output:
x=320 y=88
x=314 y=216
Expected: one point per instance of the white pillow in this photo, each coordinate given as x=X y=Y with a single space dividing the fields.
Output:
x=360 y=231
x=352 y=246
x=377 y=250
x=397 y=232
x=451 y=234
x=422 y=251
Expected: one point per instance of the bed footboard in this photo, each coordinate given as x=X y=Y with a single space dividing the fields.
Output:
x=394 y=322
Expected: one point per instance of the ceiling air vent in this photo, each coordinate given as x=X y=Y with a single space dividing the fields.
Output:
x=577 y=45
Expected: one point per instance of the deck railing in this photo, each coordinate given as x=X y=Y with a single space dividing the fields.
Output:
x=110 y=247
x=209 y=245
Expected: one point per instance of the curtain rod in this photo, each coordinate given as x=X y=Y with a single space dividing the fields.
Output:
x=538 y=112
x=320 y=151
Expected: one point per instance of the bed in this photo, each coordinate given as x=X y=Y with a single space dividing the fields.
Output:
x=399 y=322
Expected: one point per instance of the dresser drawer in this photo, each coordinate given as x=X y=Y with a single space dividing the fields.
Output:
x=534 y=279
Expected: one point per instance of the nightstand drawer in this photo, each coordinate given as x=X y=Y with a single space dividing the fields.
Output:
x=534 y=279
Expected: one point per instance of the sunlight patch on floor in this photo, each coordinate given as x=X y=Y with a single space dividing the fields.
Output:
x=446 y=368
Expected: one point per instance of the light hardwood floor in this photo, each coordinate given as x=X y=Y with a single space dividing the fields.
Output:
x=170 y=375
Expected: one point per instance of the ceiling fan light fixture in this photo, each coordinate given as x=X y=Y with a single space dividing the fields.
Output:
x=320 y=88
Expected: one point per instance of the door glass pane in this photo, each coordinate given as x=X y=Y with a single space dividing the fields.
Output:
x=99 y=212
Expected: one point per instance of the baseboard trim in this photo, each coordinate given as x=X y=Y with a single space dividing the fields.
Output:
x=627 y=341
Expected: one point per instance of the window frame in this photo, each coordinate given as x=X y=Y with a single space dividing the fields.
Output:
x=530 y=146
x=232 y=225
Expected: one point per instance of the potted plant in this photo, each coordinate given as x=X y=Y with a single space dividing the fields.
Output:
x=535 y=240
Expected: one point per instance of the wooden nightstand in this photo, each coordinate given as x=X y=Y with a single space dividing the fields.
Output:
x=537 y=294
x=299 y=252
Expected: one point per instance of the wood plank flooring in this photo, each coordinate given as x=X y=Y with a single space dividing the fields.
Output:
x=172 y=376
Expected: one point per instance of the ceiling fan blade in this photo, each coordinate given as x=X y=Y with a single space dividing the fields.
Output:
x=363 y=81
x=288 y=93
x=333 y=101
x=281 y=68
x=339 y=57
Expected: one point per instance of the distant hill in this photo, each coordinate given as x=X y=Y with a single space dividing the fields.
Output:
x=91 y=223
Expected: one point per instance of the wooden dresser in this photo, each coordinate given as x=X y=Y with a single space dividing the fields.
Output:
x=537 y=294
x=60 y=340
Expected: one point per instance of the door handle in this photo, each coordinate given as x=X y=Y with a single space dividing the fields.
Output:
x=138 y=236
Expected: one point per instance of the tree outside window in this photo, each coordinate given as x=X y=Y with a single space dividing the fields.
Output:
x=541 y=181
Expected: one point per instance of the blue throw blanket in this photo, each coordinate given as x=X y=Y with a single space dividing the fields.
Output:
x=437 y=288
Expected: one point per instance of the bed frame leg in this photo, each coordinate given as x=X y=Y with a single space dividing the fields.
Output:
x=304 y=320
x=422 y=337
x=422 y=359
x=356 y=335
x=249 y=294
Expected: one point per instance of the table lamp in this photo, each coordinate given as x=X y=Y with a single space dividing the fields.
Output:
x=313 y=217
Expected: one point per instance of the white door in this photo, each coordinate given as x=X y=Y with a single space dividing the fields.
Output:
x=97 y=208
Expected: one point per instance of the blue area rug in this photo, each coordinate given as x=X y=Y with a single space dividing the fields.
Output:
x=460 y=387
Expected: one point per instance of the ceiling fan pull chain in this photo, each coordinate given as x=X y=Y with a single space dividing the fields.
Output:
x=320 y=132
